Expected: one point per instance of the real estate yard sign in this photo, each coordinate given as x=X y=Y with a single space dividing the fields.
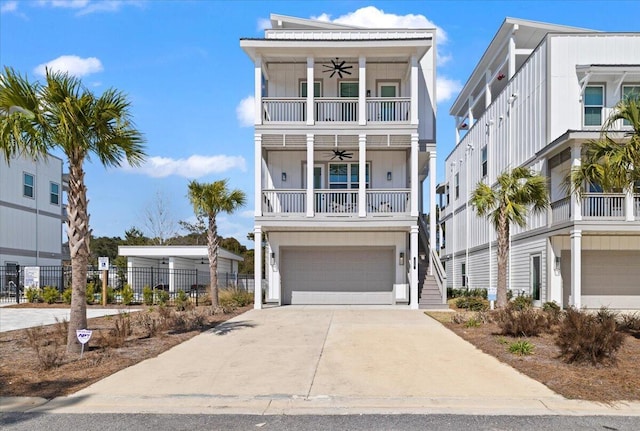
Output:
x=31 y=277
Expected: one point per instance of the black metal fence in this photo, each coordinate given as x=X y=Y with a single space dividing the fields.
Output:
x=140 y=285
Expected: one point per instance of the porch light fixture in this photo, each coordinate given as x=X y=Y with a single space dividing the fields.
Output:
x=389 y=176
x=557 y=265
x=273 y=258
x=401 y=259
x=284 y=177
x=368 y=93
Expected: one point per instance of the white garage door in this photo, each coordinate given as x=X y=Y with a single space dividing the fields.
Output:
x=337 y=275
x=610 y=272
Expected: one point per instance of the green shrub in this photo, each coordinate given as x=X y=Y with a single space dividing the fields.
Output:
x=522 y=302
x=521 y=347
x=147 y=295
x=528 y=322
x=588 y=337
x=472 y=303
x=33 y=294
x=460 y=293
x=161 y=296
x=111 y=295
x=66 y=295
x=182 y=301
x=91 y=290
x=472 y=322
x=127 y=294
x=50 y=294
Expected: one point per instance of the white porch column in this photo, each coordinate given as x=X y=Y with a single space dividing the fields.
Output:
x=362 y=175
x=432 y=207
x=470 y=103
x=310 y=92
x=576 y=267
x=414 y=89
x=257 y=175
x=362 y=91
x=172 y=275
x=628 y=205
x=576 y=210
x=257 y=267
x=487 y=89
x=413 y=262
x=258 y=90
x=414 y=174
x=310 y=163
x=512 y=52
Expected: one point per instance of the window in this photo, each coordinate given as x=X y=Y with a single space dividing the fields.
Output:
x=54 y=194
x=484 y=161
x=457 y=185
x=463 y=271
x=593 y=104
x=349 y=89
x=629 y=91
x=28 y=185
x=317 y=89
x=346 y=175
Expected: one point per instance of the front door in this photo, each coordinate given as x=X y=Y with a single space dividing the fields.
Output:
x=536 y=277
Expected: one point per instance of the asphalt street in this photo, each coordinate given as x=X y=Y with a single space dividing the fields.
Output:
x=135 y=422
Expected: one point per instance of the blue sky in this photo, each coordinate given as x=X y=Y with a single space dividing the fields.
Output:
x=188 y=80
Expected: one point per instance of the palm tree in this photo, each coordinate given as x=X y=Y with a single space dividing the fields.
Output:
x=612 y=164
x=65 y=115
x=209 y=200
x=509 y=202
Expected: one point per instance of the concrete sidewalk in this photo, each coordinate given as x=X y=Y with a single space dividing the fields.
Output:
x=20 y=318
x=322 y=361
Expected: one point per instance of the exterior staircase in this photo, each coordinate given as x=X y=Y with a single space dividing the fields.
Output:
x=429 y=294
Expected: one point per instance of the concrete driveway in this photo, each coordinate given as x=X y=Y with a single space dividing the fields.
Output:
x=295 y=360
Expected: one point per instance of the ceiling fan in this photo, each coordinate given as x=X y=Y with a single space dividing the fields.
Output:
x=338 y=68
x=341 y=154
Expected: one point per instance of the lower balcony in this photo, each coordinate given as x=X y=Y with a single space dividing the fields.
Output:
x=597 y=206
x=334 y=202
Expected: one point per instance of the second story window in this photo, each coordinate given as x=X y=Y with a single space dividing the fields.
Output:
x=317 y=89
x=593 y=104
x=54 y=194
x=28 y=185
x=457 y=185
x=484 y=161
x=346 y=175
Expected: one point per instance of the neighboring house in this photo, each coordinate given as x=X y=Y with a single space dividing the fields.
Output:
x=538 y=93
x=339 y=168
x=31 y=214
x=176 y=267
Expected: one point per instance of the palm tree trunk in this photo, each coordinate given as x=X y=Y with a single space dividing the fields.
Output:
x=78 y=233
x=212 y=249
x=503 y=254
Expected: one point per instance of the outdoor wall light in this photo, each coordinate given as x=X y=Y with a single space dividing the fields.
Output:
x=368 y=93
x=284 y=176
x=557 y=265
x=389 y=176
x=273 y=258
x=401 y=259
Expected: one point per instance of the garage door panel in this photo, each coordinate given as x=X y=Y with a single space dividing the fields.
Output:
x=610 y=272
x=337 y=275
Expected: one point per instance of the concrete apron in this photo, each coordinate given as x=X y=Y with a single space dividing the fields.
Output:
x=299 y=360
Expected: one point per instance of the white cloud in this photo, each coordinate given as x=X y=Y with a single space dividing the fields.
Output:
x=246 y=214
x=72 y=64
x=10 y=6
x=85 y=7
x=192 y=167
x=245 y=111
x=372 y=17
x=232 y=226
x=446 y=88
x=263 y=24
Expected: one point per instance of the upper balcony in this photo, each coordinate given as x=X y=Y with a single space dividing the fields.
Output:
x=332 y=110
x=599 y=207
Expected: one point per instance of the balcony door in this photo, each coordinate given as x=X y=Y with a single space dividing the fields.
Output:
x=349 y=108
x=388 y=109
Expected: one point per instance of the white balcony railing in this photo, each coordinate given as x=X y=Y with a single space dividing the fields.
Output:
x=336 y=109
x=603 y=205
x=335 y=202
x=561 y=210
